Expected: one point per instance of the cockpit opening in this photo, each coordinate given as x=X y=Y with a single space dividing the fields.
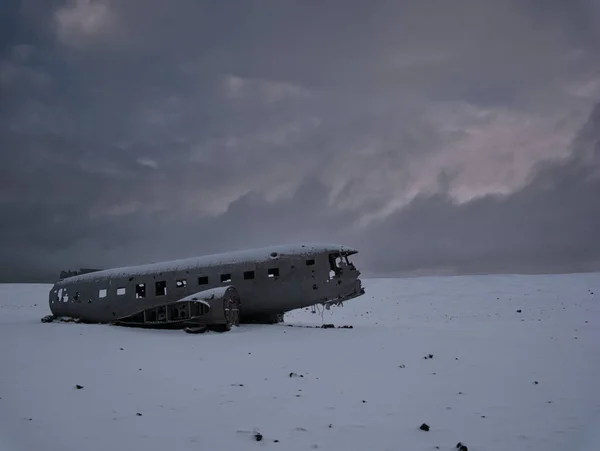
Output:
x=338 y=263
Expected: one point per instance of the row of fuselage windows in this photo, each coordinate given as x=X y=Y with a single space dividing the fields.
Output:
x=160 y=287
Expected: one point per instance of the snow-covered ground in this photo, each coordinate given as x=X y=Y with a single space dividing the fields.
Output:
x=365 y=388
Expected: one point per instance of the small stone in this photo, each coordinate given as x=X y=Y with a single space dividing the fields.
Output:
x=120 y=349
x=519 y=311
x=78 y=387
x=138 y=414
x=402 y=366
x=535 y=382
x=424 y=427
x=330 y=426
x=364 y=401
x=275 y=441
x=258 y=436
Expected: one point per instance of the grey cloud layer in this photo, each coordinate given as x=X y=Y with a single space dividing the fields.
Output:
x=141 y=130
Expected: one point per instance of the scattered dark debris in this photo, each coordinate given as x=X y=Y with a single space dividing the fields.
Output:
x=428 y=356
x=196 y=329
x=402 y=366
x=237 y=385
x=424 y=427
x=535 y=382
x=296 y=375
x=138 y=414
x=519 y=311
x=48 y=318
x=78 y=387
x=258 y=436
x=461 y=447
x=330 y=426
x=323 y=326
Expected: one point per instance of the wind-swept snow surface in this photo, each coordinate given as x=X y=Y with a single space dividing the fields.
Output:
x=515 y=365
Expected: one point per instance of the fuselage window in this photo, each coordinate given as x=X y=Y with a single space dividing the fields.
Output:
x=310 y=262
x=102 y=293
x=140 y=290
x=181 y=283
x=248 y=275
x=203 y=280
x=273 y=272
x=161 y=288
x=121 y=291
x=225 y=278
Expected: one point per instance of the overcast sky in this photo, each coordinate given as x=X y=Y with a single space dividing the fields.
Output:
x=434 y=136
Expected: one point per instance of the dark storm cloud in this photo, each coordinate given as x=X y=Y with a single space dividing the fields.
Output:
x=141 y=130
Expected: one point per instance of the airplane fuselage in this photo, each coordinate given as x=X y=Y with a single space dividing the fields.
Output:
x=270 y=281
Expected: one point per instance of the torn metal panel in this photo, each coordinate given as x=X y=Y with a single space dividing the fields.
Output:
x=217 y=308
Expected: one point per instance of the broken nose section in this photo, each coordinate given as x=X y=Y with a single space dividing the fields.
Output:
x=339 y=301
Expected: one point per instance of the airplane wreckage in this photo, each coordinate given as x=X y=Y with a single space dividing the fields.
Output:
x=209 y=292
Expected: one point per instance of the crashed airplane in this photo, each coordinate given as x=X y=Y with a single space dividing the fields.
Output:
x=210 y=292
